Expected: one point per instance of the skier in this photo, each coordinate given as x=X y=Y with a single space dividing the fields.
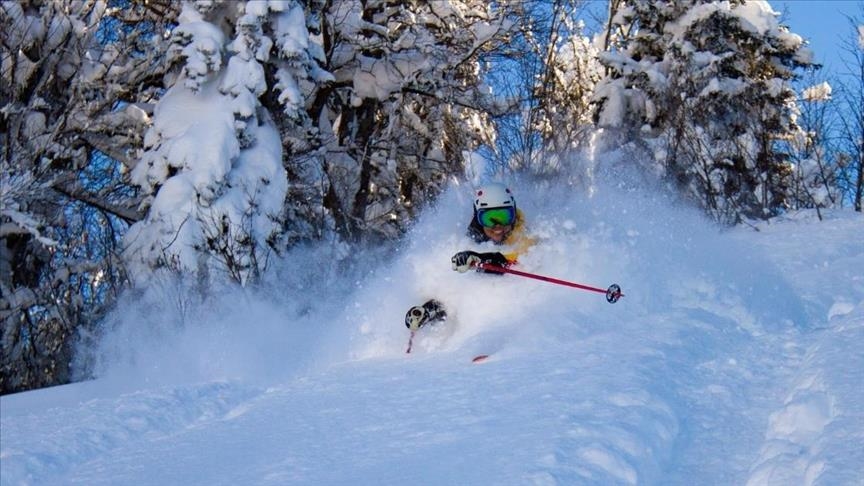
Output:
x=495 y=219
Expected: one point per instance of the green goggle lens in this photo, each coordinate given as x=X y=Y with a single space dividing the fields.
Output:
x=489 y=218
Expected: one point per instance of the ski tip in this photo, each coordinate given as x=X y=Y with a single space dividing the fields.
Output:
x=480 y=358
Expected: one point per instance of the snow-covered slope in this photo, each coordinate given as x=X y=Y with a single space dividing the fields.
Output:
x=733 y=358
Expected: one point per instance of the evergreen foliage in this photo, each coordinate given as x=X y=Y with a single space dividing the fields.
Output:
x=708 y=92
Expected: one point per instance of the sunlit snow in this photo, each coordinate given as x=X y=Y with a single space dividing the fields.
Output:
x=734 y=358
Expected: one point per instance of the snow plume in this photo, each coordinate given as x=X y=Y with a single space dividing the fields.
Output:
x=171 y=333
x=609 y=236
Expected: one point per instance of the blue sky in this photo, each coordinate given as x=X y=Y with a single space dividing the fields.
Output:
x=823 y=23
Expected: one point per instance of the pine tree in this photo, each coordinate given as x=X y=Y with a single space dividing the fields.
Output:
x=705 y=86
x=213 y=165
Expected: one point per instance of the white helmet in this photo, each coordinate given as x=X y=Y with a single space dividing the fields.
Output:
x=494 y=195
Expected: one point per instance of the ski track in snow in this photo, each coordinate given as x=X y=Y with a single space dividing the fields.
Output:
x=732 y=359
x=818 y=431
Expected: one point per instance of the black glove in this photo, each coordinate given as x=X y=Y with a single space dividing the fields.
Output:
x=465 y=260
x=495 y=258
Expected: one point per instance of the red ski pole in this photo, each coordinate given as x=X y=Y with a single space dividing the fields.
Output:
x=613 y=293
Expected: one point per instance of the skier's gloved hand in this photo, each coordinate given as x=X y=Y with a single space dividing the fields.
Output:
x=465 y=260
x=495 y=258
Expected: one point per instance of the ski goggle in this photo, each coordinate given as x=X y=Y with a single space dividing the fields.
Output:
x=491 y=217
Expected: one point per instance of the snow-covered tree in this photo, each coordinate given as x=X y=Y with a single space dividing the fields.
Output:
x=815 y=169
x=572 y=72
x=75 y=80
x=705 y=87
x=348 y=112
x=549 y=73
x=407 y=101
x=212 y=169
